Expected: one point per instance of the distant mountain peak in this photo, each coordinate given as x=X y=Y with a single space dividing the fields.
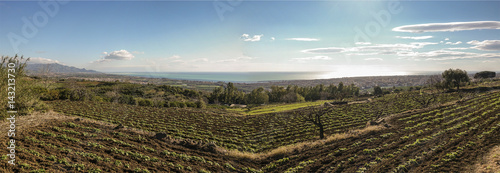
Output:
x=55 y=68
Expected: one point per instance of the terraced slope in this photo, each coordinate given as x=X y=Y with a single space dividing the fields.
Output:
x=248 y=133
x=446 y=139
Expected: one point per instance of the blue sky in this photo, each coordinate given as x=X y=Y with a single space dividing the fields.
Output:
x=344 y=37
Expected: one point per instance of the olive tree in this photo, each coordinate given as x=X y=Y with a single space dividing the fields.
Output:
x=455 y=77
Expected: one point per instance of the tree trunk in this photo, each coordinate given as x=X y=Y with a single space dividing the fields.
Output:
x=321 y=131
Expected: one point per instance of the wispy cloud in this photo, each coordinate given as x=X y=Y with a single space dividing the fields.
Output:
x=457 y=48
x=449 y=27
x=489 y=45
x=174 y=57
x=362 y=43
x=377 y=49
x=439 y=55
x=311 y=58
x=324 y=50
x=303 y=39
x=238 y=59
x=415 y=38
x=374 y=59
x=179 y=60
x=456 y=43
x=246 y=37
x=40 y=60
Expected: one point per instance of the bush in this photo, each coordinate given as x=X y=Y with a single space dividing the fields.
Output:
x=27 y=97
x=172 y=104
x=50 y=95
x=181 y=105
x=126 y=99
x=200 y=104
x=144 y=102
x=191 y=104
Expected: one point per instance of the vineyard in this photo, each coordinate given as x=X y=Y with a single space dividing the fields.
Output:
x=439 y=140
x=255 y=133
x=445 y=137
x=86 y=146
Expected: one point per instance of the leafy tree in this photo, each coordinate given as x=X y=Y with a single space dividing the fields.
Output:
x=257 y=96
x=455 y=77
x=378 y=91
x=484 y=75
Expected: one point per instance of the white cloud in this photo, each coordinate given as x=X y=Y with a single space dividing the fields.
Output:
x=119 y=55
x=374 y=59
x=443 y=54
x=174 y=57
x=40 y=60
x=303 y=39
x=447 y=39
x=238 y=59
x=489 y=45
x=313 y=58
x=324 y=50
x=378 y=49
x=390 y=47
x=246 y=37
x=116 y=55
x=456 y=43
x=272 y=38
x=321 y=57
x=362 y=43
x=178 y=59
x=100 y=61
x=201 y=59
x=415 y=38
x=458 y=48
x=451 y=26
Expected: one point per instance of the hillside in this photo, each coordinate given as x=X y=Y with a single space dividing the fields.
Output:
x=54 y=68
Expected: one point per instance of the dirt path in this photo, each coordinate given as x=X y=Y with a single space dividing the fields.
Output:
x=489 y=163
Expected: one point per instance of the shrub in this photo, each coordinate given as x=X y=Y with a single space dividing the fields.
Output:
x=144 y=102
x=200 y=104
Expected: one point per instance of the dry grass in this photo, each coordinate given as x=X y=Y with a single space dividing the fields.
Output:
x=300 y=146
x=490 y=163
x=32 y=120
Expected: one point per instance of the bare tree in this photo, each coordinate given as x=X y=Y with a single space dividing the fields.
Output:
x=425 y=99
x=315 y=117
x=435 y=81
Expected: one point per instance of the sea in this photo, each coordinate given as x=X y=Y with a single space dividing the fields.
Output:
x=240 y=77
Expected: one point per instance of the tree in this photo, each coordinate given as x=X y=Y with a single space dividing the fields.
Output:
x=425 y=99
x=315 y=117
x=455 y=77
x=484 y=75
x=435 y=81
x=378 y=91
x=257 y=96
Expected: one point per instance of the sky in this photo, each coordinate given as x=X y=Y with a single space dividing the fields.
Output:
x=343 y=37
